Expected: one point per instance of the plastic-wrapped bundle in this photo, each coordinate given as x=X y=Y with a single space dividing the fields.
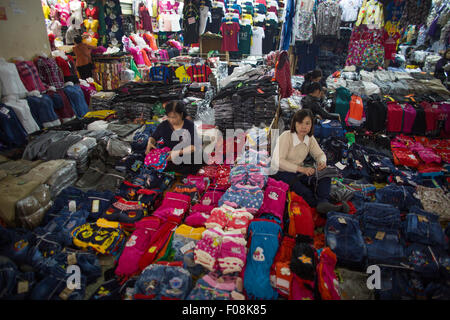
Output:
x=80 y=149
x=64 y=177
x=31 y=210
x=118 y=148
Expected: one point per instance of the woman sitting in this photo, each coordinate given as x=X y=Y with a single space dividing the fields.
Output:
x=291 y=149
x=313 y=101
x=178 y=134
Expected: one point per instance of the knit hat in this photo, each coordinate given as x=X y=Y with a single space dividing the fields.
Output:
x=303 y=261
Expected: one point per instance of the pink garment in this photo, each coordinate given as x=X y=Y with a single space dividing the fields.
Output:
x=217 y=219
x=207 y=250
x=327 y=280
x=175 y=44
x=200 y=182
x=173 y=207
x=301 y=289
x=98 y=50
x=426 y=154
x=409 y=118
x=64 y=13
x=211 y=198
x=232 y=256
x=88 y=92
x=275 y=198
x=198 y=216
x=157 y=158
x=137 y=56
x=136 y=246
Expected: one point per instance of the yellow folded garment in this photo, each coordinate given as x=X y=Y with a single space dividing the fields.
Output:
x=107 y=224
x=100 y=114
x=190 y=232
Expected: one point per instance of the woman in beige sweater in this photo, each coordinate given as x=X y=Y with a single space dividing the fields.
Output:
x=292 y=148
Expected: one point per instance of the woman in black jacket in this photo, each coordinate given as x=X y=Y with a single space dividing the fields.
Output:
x=313 y=101
x=311 y=77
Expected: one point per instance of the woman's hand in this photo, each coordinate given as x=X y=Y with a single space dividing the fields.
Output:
x=306 y=170
x=321 y=166
x=149 y=147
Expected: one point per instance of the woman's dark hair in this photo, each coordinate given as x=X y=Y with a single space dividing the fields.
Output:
x=299 y=116
x=77 y=39
x=313 y=75
x=313 y=86
x=178 y=107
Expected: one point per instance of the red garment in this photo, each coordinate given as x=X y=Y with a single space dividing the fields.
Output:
x=146 y=21
x=230 y=32
x=199 y=73
x=92 y=13
x=301 y=220
x=66 y=111
x=64 y=65
x=390 y=45
x=262 y=2
x=29 y=75
x=283 y=75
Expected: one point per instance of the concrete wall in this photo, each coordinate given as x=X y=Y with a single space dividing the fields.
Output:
x=23 y=33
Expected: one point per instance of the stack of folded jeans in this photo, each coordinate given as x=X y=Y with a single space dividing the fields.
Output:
x=343 y=236
x=380 y=225
x=102 y=100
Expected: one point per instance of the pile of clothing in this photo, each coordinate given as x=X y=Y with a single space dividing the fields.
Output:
x=245 y=103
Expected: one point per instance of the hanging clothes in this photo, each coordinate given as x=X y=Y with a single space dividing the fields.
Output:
x=328 y=18
x=371 y=14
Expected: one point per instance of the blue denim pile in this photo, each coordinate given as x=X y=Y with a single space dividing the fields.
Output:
x=396 y=234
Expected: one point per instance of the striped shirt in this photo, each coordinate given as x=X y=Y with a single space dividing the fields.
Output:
x=30 y=76
x=49 y=72
x=199 y=73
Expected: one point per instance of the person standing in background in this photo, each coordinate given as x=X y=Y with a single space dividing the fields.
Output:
x=83 y=61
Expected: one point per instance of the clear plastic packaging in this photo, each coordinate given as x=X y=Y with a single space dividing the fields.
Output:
x=63 y=178
x=118 y=148
x=31 y=210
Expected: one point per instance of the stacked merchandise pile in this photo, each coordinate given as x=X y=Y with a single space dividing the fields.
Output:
x=36 y=97
x=243 y=88
x=395 y=101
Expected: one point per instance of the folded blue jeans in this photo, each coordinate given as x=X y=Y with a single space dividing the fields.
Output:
x=423 y=227
x=164 y=281
x=18 y=245
x=344 y=237
x=10 y=276
x=389 y=250
x=51 y=287
x=379 y=214
x=399 y=196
